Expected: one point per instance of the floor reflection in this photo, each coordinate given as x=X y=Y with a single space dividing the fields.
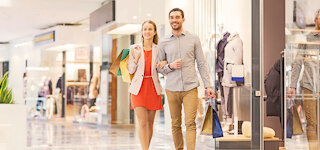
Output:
x=64 y=135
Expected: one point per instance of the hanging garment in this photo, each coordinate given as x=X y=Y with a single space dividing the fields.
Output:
x=220 y=52
x=226 y=98
x=48 y=83
x=272 y=87
x=59 y=84
x=233 y=55
x=227 y=106
x=69 y=95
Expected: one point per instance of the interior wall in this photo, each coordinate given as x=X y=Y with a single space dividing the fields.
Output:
x=17 y=57
x=187 y=6
x=274 y=32
x=4 y=52
x=274 y=43
x=138 y=11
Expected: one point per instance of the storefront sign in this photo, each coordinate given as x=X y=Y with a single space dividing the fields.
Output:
x=102 y=16
x=44 y=38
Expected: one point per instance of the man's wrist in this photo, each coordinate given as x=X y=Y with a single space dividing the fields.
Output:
x=208 y=87
x=169 y=66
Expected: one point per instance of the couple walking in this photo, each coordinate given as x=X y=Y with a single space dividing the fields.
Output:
x=175 y=55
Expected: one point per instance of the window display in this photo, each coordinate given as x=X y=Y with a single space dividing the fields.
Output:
x=302 y=74
x=45 y=99
x=302 y=99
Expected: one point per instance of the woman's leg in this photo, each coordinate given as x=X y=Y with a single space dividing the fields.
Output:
x=142 y=115
x=151 y=114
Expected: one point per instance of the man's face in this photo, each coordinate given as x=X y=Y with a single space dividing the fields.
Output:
x=176 y=20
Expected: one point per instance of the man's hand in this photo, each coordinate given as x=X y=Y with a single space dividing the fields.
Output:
x=162 y=64
x=176 y=64
x=210 y=92
x=292 y=92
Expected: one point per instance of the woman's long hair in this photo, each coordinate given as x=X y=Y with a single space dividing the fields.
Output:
x=155 y=37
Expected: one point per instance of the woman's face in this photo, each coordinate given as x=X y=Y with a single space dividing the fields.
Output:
x=148 y=31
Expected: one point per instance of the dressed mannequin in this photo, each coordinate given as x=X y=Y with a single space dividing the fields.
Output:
x=230 y=53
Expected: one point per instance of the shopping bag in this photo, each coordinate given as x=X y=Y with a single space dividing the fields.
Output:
x=126 y=76
x=206 y=128
x=289 y=129
x=125 y=54
x=297 y=127
x=114 y=68
x=294 y=126
x=216 y=126
x=211 y=123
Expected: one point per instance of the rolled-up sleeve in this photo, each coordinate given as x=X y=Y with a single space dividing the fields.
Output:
x=202 y=64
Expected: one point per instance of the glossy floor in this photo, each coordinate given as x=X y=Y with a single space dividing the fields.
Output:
x=64 y=135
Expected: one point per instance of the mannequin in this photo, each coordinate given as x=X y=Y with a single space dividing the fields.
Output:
x=230 y=52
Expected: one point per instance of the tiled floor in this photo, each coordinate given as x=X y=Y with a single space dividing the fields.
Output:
x=64 y=135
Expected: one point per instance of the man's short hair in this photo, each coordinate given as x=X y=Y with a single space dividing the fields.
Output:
x=317 y=14
x=177 y=9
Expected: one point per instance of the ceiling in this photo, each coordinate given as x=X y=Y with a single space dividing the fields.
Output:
x=21 y=18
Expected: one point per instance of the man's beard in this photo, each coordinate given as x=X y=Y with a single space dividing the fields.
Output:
x=177 y=28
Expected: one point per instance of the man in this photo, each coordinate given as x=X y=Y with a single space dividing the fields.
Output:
x=181 y=49
x=309 y=82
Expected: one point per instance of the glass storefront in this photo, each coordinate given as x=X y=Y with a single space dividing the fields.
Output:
x=65 y=81
x=232 y=52
x=81 y=86
x=301 y=68
x=236 y=104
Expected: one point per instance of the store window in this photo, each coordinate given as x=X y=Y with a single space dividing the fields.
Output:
x=227 y=43
x=301 y=78
x=65 y=85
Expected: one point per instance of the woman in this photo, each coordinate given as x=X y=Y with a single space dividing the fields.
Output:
x=145 y=87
